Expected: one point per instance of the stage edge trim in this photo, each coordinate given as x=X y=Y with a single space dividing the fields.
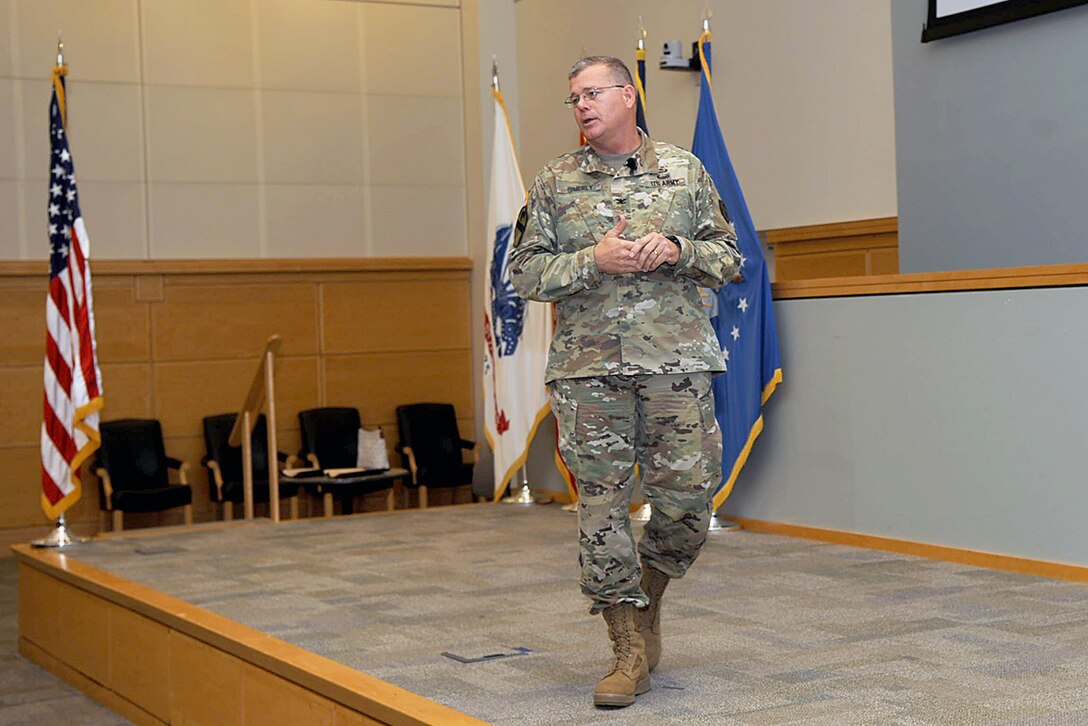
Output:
x=68 y=611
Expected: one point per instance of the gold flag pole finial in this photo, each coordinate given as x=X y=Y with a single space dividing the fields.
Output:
x=60 y=50
x=641 y=35
x=494 y=74
x=707 y=15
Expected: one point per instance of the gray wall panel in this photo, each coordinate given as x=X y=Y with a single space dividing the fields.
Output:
x=991 y=144
x=955 y=419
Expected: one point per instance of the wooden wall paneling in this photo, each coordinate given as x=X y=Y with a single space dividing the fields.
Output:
x=823 y=264
x=405 y=322
x=389 y=315
x=268 y=700
x=139 y=661
x=204 y=321
x=122 y=323
x=843 y=249
x=21 y=487
x=22 y=318
x=126 y=391
x=380 y=382
x=884 y=261
x=187 y=392
x=298 y=387
x=205 y=684
x=21 y=397
x=150 y=288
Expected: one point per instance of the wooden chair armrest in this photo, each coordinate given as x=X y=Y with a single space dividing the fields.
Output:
x=217 y=476
x=183 y=473
x=411 y=456
x=312 y=458
x=293 y=462
x=107 y=486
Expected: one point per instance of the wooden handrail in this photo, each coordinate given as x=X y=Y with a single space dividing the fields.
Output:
x=834 y=230
x=261 y=390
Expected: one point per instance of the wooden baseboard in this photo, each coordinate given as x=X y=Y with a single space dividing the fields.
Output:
x=988 y=560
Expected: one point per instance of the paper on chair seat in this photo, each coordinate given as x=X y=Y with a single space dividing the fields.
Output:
x=335 y=473
x=302 y=473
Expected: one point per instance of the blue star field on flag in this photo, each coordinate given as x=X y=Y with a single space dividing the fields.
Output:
x=63 y=197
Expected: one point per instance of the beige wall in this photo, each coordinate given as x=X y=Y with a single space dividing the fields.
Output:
x=245 y=129
x=803 y=92
x=324 y=128
x=240 y=128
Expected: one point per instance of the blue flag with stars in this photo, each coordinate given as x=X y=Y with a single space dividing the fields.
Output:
x=744 y=319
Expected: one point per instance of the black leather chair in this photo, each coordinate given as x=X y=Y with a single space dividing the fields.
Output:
x=133 y=467
x=224 y=465
x=432 y=447
x=330 y=436
x=330 y=440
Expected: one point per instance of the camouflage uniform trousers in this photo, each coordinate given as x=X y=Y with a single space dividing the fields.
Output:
x=663 y=422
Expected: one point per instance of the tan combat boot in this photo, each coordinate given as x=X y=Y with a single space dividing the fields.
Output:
x=654 y=583
x=629 y=676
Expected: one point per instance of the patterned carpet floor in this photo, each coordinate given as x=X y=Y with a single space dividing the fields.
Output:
x=765 y=630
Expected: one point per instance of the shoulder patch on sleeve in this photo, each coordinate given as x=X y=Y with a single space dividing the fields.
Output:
x=725 y=212
x=523 y=219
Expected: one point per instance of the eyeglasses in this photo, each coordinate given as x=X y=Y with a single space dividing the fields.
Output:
x=590 y=94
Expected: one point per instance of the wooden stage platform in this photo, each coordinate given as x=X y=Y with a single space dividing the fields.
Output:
x=155 y=659
x=471 y=614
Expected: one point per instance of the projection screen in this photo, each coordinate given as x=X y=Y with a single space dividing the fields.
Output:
x=954 y=17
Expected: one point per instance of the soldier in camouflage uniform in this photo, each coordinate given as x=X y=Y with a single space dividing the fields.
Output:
x=619 y=234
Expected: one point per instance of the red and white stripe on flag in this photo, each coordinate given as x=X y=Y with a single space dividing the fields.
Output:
x=517 y=333
x=72 y=380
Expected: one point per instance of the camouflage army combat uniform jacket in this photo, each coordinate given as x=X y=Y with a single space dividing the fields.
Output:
x=634 y=323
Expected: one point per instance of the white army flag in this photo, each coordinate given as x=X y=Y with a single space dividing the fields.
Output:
x=516 y=332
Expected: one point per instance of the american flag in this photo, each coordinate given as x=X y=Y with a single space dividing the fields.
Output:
x=73 y=383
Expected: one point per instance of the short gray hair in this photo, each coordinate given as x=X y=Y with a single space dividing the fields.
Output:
x=616 y=68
